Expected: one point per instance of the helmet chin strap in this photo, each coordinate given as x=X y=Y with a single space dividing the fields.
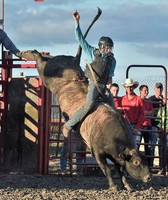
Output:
x=102 y=53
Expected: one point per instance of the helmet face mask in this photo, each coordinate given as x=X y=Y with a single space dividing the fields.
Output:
x=104 y=46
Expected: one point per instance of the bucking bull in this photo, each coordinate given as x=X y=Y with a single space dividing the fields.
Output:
x=103 y=129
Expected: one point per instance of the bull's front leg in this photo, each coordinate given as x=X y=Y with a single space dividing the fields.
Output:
x=101 y=160
x=124 y=182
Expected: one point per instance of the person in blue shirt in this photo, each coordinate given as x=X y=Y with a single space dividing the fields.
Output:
x=7 y=43
x=103 y=65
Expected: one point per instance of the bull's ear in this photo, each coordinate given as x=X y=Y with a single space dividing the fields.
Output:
x=130 y=152
x=125 y=156
x=122 y=156
x=133 y=152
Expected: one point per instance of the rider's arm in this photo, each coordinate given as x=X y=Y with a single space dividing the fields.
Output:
x=88 y=49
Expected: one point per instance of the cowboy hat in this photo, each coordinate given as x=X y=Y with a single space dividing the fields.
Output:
x=129 y=82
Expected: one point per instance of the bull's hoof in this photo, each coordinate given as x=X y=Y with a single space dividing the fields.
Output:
x=25 y=54
x=128 y=188
x=114 y=189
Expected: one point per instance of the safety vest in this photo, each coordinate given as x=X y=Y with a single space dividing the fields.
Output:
x=101 y=67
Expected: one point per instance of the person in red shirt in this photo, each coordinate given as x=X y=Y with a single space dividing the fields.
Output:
x=114 y=89
x=150 y=137
x=132 y=108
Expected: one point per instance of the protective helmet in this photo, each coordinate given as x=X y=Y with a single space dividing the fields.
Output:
x=105 y=41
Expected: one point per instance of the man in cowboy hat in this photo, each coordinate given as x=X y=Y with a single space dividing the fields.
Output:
x=132 y=107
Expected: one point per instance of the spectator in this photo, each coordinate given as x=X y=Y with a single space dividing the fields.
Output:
x=7 y=43
x=149 y=136
x=103 y=65
x=133 y=109
x=158 y=103
x=77 y=145
x=161 y=125
x=114 y=89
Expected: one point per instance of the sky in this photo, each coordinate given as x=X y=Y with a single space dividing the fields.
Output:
x=139 y=29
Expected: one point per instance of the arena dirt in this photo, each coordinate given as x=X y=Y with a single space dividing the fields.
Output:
x=62 y=187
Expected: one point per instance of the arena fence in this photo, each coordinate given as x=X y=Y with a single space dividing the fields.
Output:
x=77 y=156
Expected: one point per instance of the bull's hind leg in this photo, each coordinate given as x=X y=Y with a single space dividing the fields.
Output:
x=102 y=162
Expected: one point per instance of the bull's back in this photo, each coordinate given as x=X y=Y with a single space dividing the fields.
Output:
x=61 y=75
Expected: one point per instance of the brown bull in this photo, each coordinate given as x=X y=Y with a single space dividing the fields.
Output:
x=104 y=129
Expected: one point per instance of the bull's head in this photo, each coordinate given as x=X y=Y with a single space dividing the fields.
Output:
x=136 y=165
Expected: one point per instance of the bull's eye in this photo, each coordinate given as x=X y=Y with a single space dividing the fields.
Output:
x=136 y=162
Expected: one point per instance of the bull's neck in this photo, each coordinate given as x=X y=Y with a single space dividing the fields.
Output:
x=40 y=67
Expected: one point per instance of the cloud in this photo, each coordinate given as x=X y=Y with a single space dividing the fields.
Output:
x=153 y=49
x=143 y=25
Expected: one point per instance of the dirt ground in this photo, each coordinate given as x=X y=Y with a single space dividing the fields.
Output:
x=65 y=187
